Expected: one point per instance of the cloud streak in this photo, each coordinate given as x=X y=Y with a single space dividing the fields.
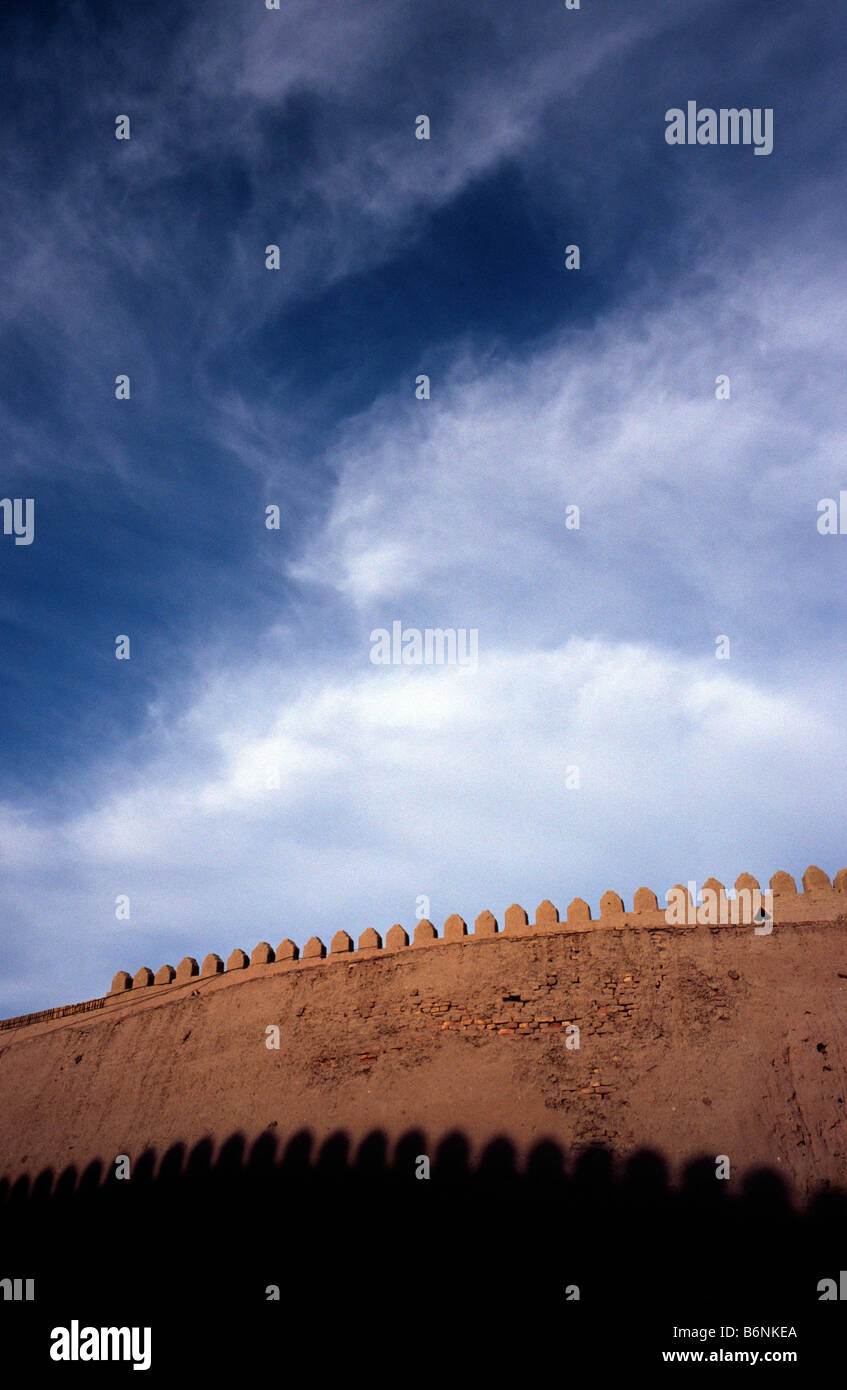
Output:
x=251 y=647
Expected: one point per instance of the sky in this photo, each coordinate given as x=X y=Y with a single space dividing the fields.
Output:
x=249 y=773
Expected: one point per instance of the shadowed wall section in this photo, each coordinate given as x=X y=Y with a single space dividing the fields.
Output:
x=231 y=1250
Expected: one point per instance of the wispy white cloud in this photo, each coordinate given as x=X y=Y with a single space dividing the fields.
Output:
x=465 y=495
x=396 y=782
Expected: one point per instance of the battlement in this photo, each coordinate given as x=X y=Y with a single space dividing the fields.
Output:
x=751 y=907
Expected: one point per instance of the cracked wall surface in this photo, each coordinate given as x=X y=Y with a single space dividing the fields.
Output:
x=693 y=1042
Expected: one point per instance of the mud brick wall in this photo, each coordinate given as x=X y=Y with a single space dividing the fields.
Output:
x=693 y=1041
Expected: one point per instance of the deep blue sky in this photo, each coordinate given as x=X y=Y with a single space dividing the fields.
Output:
x=251 y=647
